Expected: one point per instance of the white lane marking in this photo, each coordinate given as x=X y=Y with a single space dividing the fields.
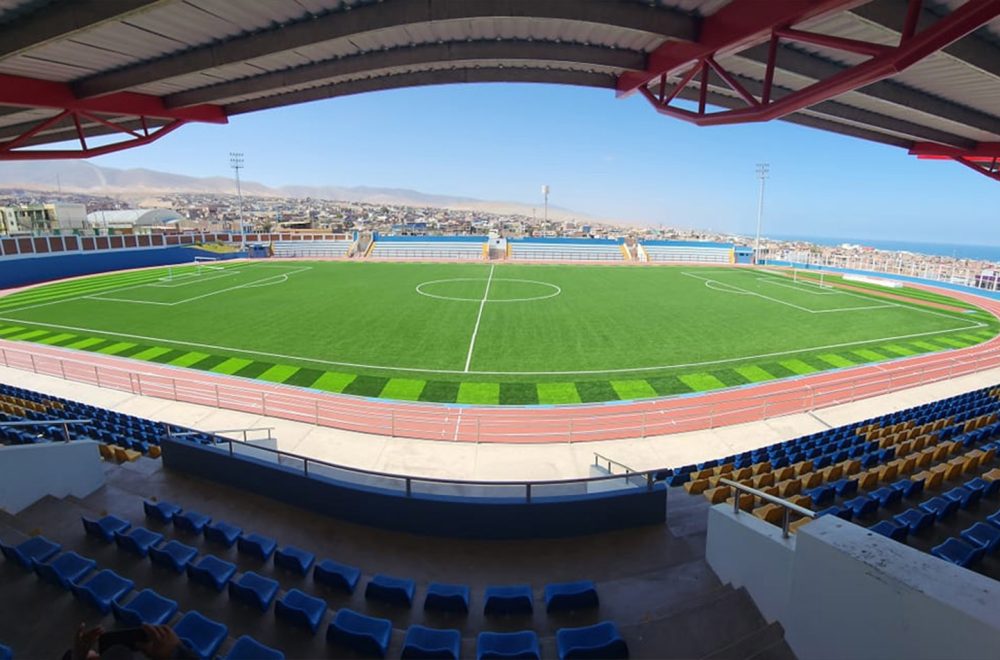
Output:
x=479 y=317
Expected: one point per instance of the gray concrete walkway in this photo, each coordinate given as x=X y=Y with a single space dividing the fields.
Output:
x=466 y=460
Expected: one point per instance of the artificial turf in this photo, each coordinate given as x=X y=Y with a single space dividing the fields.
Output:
x=543 y=334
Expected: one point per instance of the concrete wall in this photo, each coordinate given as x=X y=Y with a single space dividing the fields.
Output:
x=30 y=472
x=451 y=515
x=851 y=593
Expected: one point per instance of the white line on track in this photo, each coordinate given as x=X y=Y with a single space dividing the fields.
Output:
x=475 y=330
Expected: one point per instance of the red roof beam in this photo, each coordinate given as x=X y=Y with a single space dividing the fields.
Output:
x=32 y=93
x=985 y=152
x=735 y=27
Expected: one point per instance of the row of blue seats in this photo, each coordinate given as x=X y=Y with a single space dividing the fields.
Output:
x=500 y=600
x=942 y=507
x=106 y=590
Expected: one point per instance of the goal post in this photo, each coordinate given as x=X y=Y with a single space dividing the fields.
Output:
x=203 y=264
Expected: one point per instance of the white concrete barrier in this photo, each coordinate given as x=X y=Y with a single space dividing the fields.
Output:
x=30 y=472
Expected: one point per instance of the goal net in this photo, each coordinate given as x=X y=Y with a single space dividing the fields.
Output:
x=206 y=264
x=819 y=281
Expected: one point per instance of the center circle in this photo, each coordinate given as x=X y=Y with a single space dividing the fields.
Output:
x=502 y=289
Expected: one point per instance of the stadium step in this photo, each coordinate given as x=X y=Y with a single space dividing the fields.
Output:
x=765 y=643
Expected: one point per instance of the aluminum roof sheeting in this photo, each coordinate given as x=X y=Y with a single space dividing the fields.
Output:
x=247 y=55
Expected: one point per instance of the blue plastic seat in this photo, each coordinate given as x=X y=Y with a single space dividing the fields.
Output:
x=579 y=595
x=983 y=536
x=601 y=640
x=174 y=555
x=102 y=589
x=191 y=521
x=222 y=533
x=294 y=559
x=256 y=545
x=424 y=642
x=447 y=598
x=105 y=528
x=299 y=608
x=336 y=575
x=820 y=495
x=862 y=506
x=366 y=635
x=147 y=607
x=958 y=552
x=843 y=512
x=909 y=488
x=391 y=590
x=889 y=529
x=138 y=541
x=6 y=653
x=65 y=570
x=162 y=511
x=915 y=520
x=965 y=497
x=941 y=508
x=845 y=487
x=508 y=600
x=886 y=496
x=985 y=488
x=211 y=571
x=248 y=648
x=522 y=645
x=254 y=589
x=26 y=553
x=201 y=635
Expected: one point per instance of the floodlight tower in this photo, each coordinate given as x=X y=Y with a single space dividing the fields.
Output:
x=763 y=169
x=236 y=162
x=545 y=194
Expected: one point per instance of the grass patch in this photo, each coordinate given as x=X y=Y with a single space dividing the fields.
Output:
x=518 y=394
x=279 y=373
x=481 y=393
x=667 y=385
x=190 y=359
x=591 y=391
x=552 y=393
x=230 y=366
x=869 y=355
x=333 y=381
x=253 y=369
x=798 y=367
x=442 y=391
x=366 y=386
x=835 y=360
x=633 y=389
x=702 y=382
x=753 y=373
x=304 y=377
x=407 y=389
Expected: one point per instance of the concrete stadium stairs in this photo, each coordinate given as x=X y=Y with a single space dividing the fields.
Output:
x=662 y=594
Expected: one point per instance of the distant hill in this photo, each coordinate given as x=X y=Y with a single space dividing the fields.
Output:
x=84 y=177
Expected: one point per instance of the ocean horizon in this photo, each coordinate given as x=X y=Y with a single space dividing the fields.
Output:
x=956 y=250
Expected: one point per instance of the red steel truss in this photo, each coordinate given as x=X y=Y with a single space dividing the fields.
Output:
x=125 y=113
x=985 y=158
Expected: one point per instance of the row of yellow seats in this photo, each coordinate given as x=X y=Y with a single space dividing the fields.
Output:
x=120 y=454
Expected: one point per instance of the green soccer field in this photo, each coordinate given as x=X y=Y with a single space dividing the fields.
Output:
x=484 y=334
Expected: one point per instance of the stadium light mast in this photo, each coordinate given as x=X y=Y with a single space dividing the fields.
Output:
x=236 y=162
x=762 y=171
x=545 y=194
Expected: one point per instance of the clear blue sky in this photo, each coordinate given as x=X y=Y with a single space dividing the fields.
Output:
x=613 y=158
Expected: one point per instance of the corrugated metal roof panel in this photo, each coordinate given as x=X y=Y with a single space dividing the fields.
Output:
x=943 y=75
x=32 y=67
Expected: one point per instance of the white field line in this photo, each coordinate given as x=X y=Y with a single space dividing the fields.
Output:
x=332 y=363
x=801 y=287
x=187 y=279
x=248 y=285
x=479 y=317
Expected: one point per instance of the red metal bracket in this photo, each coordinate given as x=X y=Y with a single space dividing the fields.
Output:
x=985 y=158
x=884 y=61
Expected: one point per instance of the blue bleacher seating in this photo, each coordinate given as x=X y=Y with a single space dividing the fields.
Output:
x=862 y=506
x=65 y=570
x=601 y=640
x=570 y=596
x=391 y=590
x=201 y=635
x=103 y=588
x=256 y=545
x=248 y=648
x=294 y=559
x=336 y=575
x=191 y=521
x=958 y=552
x=147 y=607
x=366 y=635
x=26 y=553
x=508 y=600
x=522 y=645
x=423 y=642
x=211 y=571
x=843 y=512
x=821 y=494
x=915 y=520
x=985 y=488
x=909 y=487
x=174 y=555
x=994 y=519
x=105 y=528
x=138 y=541
x=886 y=496
x=447 y=598
x=984 y=536
x=941 y=507
x=6 y=653
x=254 y=589
x=162 y=511
x=890 y=529
x=965 y=497
x=299 y=608
x=222 y=533
x=845 y=487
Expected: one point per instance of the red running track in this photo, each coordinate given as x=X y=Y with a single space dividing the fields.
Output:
x=535 y=424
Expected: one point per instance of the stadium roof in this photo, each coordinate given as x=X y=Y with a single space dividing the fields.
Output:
x=133 y=218
x=922 y=75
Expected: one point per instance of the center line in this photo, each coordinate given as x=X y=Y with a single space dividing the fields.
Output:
x=475 y=331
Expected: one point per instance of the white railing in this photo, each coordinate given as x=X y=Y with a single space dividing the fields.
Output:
x=500 y=424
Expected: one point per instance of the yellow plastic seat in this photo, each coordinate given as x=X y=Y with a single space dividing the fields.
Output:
x=832 y=473
x=867 y=480
x=992 y=475
x=785 y=473
x=762 y=480
x=851 y=466
x=107 y=453
x=746 y=502
x=762 y=467
x=932 y=480
x=696 y=487
x=719 y=494
x=772 y=513
x=789 y=487
x=811 y=480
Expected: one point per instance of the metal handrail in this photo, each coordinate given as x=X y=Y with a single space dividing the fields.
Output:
x=51 y=422
x=611 y=461
x=787 y=506
x=245 y=431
